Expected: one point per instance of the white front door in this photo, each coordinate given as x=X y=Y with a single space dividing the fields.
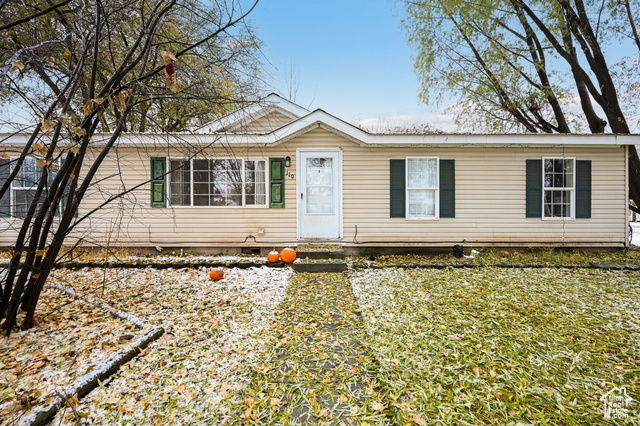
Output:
x=320 y=194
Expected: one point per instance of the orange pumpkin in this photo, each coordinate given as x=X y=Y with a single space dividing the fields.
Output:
x=288 y=255
x=273 y=256
x=216 y=274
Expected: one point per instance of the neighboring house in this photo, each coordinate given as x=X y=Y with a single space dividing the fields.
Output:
x=276 y=174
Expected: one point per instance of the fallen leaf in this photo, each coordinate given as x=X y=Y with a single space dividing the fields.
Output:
x=73 y=401
x=377 y=406
x=418 y=420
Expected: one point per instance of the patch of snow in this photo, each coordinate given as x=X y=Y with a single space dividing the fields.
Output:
x=214 y=332
x=189 y=258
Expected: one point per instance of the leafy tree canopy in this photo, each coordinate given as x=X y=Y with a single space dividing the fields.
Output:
x=40 y=57
x=530 y=65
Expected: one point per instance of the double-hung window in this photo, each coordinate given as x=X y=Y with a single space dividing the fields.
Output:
x=219 y=182
x=18 y=199
x=559 y=187
x=422 y=188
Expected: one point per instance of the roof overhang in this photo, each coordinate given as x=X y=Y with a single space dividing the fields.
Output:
x=321 y=119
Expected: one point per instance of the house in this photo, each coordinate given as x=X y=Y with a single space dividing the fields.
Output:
x=276 y=174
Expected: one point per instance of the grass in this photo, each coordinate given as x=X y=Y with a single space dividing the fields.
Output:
x=188 y=376
x=535 y=256
x=487 y=345
x=502 y=346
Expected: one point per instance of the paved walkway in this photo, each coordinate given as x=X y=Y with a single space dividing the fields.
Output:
x=318 y=372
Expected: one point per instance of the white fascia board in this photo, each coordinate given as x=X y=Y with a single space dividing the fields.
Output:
x=363 y=138
x=320 y=119
x=286 y=105
x=502 y=139
x=256 y=110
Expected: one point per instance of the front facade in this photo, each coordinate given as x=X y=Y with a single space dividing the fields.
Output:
x=277 y=175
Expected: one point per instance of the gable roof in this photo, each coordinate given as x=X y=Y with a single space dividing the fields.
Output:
x=322 y=119
x=230 y=127
x=265 y=106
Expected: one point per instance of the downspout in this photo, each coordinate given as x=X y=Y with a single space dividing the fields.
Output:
x=626 y=196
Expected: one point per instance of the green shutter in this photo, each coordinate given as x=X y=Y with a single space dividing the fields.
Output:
x=276 y=183
x=583 y=189
x=447 y=188
x=158 y=182
x=534 y=188
x=397 y=188
x=5 y=201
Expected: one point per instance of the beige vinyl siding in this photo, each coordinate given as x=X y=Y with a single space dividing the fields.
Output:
x=490 y=195
x=265 y=124
x=490 y=200
x=191 y=226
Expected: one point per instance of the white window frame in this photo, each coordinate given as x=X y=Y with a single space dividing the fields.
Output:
x=572 y=191
x=13 y=188
x=436 y=189
x=191 y=182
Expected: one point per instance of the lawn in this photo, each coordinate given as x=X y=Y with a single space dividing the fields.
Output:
x=502 y=346
x=484 y=345
x=212 y=337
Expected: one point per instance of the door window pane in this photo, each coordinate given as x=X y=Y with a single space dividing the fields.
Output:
x=319 y=172
x=319 y=185
x=320 y=200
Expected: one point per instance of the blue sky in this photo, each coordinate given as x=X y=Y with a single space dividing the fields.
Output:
x=350 y=58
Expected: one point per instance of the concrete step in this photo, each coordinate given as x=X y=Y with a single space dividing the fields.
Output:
x=321 y=255
x=320 y=251
x=302 y=266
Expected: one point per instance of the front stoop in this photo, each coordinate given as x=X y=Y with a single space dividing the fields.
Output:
x=317 y=258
